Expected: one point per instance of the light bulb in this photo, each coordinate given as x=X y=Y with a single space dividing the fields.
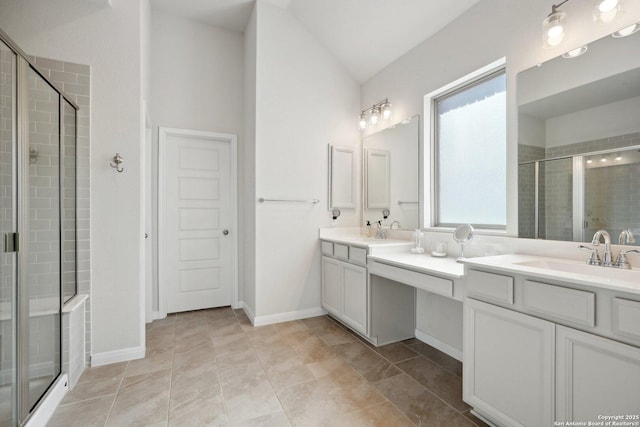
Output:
x=603 y=159
x=618 y=157
x=363 y=121
x=375 y=115
x=606 y=10
x=553 y=29
x=575 y=52
x=386 y=110
x=589 y=161
x=626 y=31
x=607 y=5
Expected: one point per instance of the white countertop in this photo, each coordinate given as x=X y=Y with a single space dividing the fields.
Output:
x=351 y=236
x=577 y=271
x=423 y=263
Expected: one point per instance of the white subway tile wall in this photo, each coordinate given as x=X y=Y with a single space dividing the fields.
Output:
x=612 y=198
x=75 y=81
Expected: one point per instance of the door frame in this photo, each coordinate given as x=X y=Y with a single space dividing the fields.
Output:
x=232 y=140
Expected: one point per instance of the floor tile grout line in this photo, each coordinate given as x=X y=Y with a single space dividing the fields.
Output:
x=434 y=361
x=115 y=396
x=418 y=354
x=173 y=355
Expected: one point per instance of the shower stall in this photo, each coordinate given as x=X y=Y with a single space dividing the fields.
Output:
x=37 y=231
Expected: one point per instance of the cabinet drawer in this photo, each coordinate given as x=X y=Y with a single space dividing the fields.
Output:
x=341 y=251
x=489 y=286
x=561 y=303
x=358 y=255
x=426 y=282
x=327 y=248
x=626 y=318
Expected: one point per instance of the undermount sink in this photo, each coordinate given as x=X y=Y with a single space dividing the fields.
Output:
x=583 y=268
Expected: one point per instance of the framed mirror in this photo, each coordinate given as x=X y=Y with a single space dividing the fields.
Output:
x=377 y=179
x=342 y=177
x=390 y=175
x=579 y=142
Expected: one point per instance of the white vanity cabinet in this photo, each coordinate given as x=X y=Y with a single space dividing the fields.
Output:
x=536 y=353
x=508 y=365
x=595 y=376
x=344 y=284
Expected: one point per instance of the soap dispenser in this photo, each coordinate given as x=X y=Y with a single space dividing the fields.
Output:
x=368 y=233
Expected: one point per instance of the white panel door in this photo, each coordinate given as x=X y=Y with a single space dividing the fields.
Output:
x=595 y=376
x=355 y=297
x=196 y=258
x=332 y=285
x=508 y=364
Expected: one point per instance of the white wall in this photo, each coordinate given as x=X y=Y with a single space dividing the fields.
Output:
x=604 y=121
x=196 y=83
x=304 y=100
x=490 y=30
x=107 y=39
x=247 y=156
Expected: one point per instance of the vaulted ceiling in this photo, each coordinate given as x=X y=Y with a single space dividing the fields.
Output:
x=365 y=35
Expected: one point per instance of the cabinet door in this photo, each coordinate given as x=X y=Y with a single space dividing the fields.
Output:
x=508 y=365
x=355 y=297
x=595 y=376
x=332 y=286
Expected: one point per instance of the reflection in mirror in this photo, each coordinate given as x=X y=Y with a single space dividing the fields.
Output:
x=578 y=142
x=342 y=177
x=390 y=178
x=377 y=179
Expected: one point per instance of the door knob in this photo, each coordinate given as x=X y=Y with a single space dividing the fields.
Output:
x=225 y=232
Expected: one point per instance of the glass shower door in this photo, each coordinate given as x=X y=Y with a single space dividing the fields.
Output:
x=42 y=276
x=8 y=226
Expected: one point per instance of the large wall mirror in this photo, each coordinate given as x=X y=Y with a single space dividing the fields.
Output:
x=579 y=142
x=390 y=181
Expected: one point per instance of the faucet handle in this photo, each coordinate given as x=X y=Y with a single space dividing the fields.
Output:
x=621 y=261
x=594 y=259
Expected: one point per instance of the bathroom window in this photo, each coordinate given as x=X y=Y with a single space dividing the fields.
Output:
x=469 y=161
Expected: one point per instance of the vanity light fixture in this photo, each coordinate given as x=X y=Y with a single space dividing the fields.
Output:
x=627 y=31
x=375 y=115
x=606 y=10
x=589 y=161
x=618 y=157
x=363 y=120
x=575 y=52
x=553 y=26
x=603 y=158
x=379 y=110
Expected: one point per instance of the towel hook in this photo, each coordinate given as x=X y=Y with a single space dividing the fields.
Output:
x=117 y=160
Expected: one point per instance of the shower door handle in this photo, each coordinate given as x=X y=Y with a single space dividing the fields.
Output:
x=10 y=242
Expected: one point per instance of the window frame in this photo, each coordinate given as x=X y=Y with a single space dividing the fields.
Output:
x=431 y=194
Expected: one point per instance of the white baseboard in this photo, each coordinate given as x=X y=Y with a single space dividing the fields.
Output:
x=123 y=355
x=440 y=345
x=249 y=312
x=285 y=317
x=47 y=406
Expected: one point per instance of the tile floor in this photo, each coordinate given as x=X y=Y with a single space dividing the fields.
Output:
x=212 y=367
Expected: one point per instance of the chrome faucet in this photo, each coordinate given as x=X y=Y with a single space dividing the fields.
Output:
x=626 y=237
x=621 y=261
x=606 y=256
x=594 y=259
x=394 y=222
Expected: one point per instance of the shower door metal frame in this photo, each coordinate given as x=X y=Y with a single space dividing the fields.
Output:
x=20 y=143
